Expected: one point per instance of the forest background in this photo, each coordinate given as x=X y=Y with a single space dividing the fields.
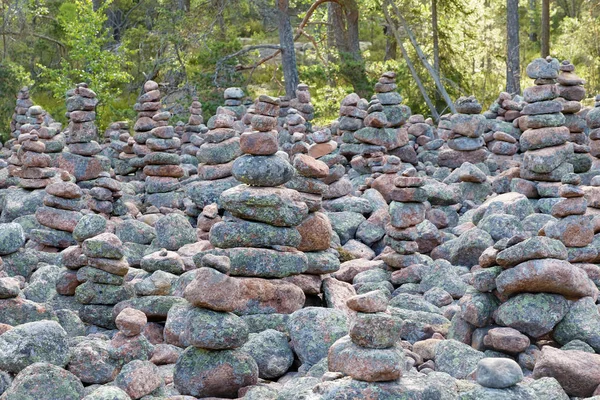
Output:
x=200 y=47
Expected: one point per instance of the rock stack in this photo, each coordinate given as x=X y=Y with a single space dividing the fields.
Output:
x=506 y=108
x=103 y=279
x=213 y=365
x=266 y=215
x=352 y=112
x=371 y=352
x=60 y=214
x=544 y=138
x=162 y=164
x=571 y=92
x=20 y=116
x=34 y=168
x=191 y=138
x=593 y=121
x=390 y=99
x=233 y=102
x=503 y=147
x=302 y=103
x=315 y=230
x=119 y=149
x=47 y=129
x=406 y=211
x=147 y=106
x=422 y=136
x=220 y=147
x=292 y=139
x=465 y=142
x=82 y=161
x=207 y=218
x=104 y=194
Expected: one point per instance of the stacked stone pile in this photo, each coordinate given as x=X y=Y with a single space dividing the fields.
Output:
x=147 y=106
x=302 y=103
x=465 y=143
x=353 y=111
x=571 y=92
x=103 y=285
x=34 y=166
x=266 y=215
x=593 y=122
x=48 y=130
x=60 y=214
x=506 y=108
x=293 y=139
x=162 y=164
x=233 y=102
x=424 y=142
x=191 y=137
x=545 y=138
x=385 y=90
x=119 y=149
x=104 y=194
x=20 y=117
x=82 y=161
x=371 y=352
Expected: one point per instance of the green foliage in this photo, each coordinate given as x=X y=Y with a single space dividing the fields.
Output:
x=12 y=78
x=89 y=58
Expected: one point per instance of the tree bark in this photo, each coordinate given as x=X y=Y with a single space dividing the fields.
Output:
x=545 y=28
x=435 y=34
x=410 y=65
x=391 y=46
x=288 y=52
x=513 y=73
x=422 y=57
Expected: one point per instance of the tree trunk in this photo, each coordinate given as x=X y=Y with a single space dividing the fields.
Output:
x=435 y=34
x=513 y=73
x=533 y=35
x=391 y=46
x=410 y=65
x=422 y=57
x=288 y=52
x=545 y=28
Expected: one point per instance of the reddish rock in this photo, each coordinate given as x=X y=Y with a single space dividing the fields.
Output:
x=131 y=321
x=506 y=340
x=316 y=232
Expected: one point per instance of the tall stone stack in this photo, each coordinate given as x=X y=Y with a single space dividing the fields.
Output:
x=162 y=164
x=191 y=138
x=103 y=279
x=593 y=121
x=386 y=91
x=104 y=194
x=82 y=160
x=352 y=112
x=545 y=138
x=371 y=352
x=315 y=230
x=48 y=130
x=120 y=150
x=465 y=143
x=571 y=92
x=295 y=129
x=60 y=213
x=147 y=106
x=34 y=171
x=266 y=214
x=219 y=149
x=233 y=102
x=406 y=212
x=302 y=103
x=20 y=117
x=506 y=108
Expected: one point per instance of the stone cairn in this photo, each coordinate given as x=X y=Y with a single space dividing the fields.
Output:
x=390 y=99
x=544 y=138
x=371 y=352
x=48 y=130
x=406 y=212
x=191 y=138
x=293 y=139
x=423 y=140
x=119 y=149
x=352 y=112
x=216 y=154
x=207 y=218
x=105 y=193
x=465 y=142
x=103 y=278
x=60 y=213
x=33 y=167
x=315 y=230
x=20 y=116
x=162 y=164
x=233 y=102
x=593 y=121
x=301 y=103
x=571 y=92
x=82 y=161
x=506 y=108
x=261 y=171
x=502 y=138
x=147 y=106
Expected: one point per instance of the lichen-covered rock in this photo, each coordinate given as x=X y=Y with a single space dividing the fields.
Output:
x=207 y=373
x=44 y=381
x=138 y=379
x=12 y=237
x=582 y=322
x=214 y=330
x=456 y=359
x=24 y=345
x=174 y=231
x=313 y=330
x=91 y=362
x=271 y=351
x=498 y=373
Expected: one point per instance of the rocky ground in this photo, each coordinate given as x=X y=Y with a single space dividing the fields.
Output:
x=257 y=256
